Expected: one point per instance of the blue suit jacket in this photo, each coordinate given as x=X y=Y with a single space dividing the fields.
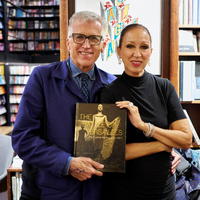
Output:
x=43 y=133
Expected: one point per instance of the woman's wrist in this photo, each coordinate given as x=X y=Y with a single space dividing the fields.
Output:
x=149 y=129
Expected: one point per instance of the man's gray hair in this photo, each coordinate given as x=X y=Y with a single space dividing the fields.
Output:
x=85 y=16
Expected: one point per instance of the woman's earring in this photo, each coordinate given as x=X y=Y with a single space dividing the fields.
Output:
x=119 y=60
x=102 y=56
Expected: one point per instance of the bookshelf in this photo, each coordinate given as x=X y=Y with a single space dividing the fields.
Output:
x=17 y=77
x=1 y=27
x=193 y=106
x=31 y=31
x=3 y=99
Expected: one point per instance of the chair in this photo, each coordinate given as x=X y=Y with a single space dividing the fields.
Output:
x=6 y=155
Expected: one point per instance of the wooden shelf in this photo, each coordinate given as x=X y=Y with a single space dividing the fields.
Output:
x=6 y=130
x=189 y=26
x=191 y=102
x=189 y=53
x=14 y=169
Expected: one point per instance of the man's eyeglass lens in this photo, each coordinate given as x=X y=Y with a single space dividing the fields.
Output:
x=80 y=38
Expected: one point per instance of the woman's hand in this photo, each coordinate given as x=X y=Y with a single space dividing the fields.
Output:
x=134 y=115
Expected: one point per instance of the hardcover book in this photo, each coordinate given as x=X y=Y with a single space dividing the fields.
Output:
x=100 y=133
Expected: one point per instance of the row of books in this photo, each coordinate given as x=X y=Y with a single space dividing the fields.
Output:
x=18 y=75
x=13 y=118
x=1 y=35
x=14 y=108
x=1 y=25
x=35 y=2
x=21 y=69
x=16 y=89
x=2 y=69
x=34 y=46
x=2 y=110
x=50 y=12
x=39 y=35
x=18 y=79
x=34 y=24
x=189 y=41
x=15 y=98
x=189 y=12
x=2 y=120
x=2 y=80
x=2 y=100
x=2 y=90
x=1 y=46
x=189 y=80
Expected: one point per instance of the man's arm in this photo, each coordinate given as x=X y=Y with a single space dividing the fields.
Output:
x=28 y=134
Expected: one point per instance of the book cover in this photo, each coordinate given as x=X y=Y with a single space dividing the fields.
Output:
x=100 y=133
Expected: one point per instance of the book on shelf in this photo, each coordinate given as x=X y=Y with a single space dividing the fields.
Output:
x=189 y=12
x=196 y=138
x=187 y=80
x=185 y=12
x=196 y=90
x=195 y=12
x=198 y=40
x=187 y=41
x=100 y=133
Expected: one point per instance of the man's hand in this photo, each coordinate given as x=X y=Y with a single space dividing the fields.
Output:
x=175 y=162
x=83 y=168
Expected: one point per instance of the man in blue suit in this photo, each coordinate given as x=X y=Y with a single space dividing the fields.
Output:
x=43 y=133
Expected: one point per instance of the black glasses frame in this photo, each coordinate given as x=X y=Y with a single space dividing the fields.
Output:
x=89 y=37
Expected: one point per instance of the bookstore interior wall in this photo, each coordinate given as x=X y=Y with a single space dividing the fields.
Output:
x=29 y=36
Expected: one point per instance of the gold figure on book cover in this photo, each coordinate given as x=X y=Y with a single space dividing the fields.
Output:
x=100 y=134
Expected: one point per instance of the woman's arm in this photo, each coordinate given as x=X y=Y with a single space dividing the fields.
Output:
x=136 y=150
x=179 y=135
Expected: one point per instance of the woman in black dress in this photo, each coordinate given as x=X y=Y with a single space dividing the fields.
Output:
x=156 y=123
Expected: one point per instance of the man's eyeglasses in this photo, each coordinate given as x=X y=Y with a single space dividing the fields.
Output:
x=80 y=38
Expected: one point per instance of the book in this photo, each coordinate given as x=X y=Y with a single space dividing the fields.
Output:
x=197 y=81
x=187 y=80
x=100 y=133
x=186 y=41
x=196 y=138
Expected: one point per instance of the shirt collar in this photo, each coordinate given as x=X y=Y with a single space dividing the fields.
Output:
x=76 y=71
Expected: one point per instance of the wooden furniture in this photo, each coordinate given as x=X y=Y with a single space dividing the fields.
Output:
x=6 y=130
x=192 y=107
x=11 y=172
